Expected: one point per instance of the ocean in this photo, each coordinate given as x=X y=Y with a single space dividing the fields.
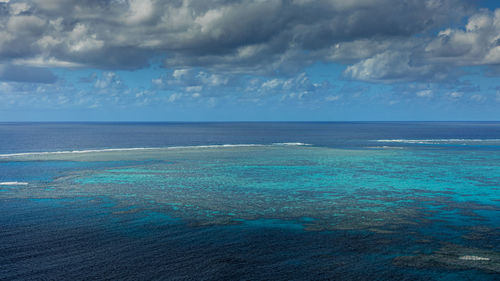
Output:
x=250 y=201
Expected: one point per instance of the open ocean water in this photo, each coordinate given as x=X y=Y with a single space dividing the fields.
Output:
x=250 y=201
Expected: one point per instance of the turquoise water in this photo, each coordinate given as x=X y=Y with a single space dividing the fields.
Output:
x=388 y=208
x=444 y=202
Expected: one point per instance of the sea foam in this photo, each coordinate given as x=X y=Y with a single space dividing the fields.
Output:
x=148 y=148
x=437 y=141
x=13 y=183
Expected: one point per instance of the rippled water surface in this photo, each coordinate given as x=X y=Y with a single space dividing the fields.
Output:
x=378 y=201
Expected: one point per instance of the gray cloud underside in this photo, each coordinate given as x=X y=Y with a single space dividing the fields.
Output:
x=384 y=40
x=17 y=73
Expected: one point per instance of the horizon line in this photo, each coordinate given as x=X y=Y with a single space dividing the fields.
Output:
x=257 y=121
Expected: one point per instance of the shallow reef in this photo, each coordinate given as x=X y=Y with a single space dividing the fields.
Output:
x=428 y=197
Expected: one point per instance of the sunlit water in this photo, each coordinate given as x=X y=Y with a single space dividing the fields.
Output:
x=392 y=208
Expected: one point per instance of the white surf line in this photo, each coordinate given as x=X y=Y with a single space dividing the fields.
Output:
x=291 y=143
x=436 y=140
x=215 y=146
x=473 y=258
x=13 y=183
x=146 y=148
x=75 y=151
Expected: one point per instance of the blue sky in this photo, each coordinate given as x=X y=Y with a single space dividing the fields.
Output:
x=183 y=60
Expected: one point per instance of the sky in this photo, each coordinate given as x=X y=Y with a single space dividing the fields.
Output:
x=231 y=60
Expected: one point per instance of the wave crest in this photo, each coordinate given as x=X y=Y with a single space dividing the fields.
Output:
x=439 y=141
x=149 y=148
x=13 y=183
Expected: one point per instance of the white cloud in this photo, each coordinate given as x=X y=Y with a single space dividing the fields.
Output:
x=455 y=95
x=5 y=87
x=478 y=98
x=476 y=45
x=212 y=79
x=425 y=94
x=180 y=73
x=81 y=40
x=388 y=66
x=157 y=82
x=272 y=84
x=208 y=45
x=139 y=11
x=425 y=58
x=194 y=88
x=174 y=97
x=332 y=98
x=108 y=80
x=46 y=62
x=253 y=37
x=18 y=8
x=26 y=25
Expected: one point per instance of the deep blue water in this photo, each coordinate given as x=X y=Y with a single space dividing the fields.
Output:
x=27 y=137
x=360 y=201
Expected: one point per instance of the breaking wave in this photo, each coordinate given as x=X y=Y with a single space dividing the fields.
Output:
x=13 y=183
x=441 y=141
x=149 y=148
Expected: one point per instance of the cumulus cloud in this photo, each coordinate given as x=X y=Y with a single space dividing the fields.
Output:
x=246 y=49
x=108 y=80
x=53 y=95
x=429 y=58
x=200 y=84
x=174 y=97
x=192 y=79
x=389 y=66
x=232 y=36
x=425 y=94
x=478 y=98
x=299 y=87
x=478 y=43
x=455 y=95
x=332 y=98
